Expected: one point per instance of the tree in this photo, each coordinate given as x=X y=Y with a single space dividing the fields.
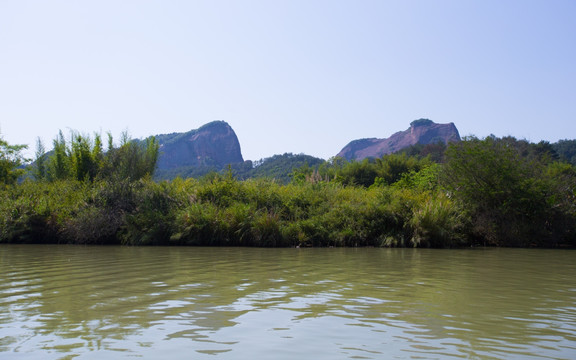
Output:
x=566 y=149
x=59 y=166
x=84 y=164
x=133 y=160
x=83 y=158
x=39 y=170
x=11 y=160
x=503 y=187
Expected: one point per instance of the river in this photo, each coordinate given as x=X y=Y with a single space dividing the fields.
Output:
x=82 y=302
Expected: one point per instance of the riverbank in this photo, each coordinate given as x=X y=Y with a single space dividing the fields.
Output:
x=487 y=192
x=222 y=211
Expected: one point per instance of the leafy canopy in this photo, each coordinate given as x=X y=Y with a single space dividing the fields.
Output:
x=11 y=160
x=83 y=158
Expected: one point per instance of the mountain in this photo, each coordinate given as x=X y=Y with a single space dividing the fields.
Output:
x=212 y=146
x=215 y=145
x=422 y=131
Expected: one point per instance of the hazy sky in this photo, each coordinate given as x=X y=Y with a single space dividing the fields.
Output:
x=300 y=76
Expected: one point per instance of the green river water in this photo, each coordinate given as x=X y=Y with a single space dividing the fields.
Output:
x=77 y=302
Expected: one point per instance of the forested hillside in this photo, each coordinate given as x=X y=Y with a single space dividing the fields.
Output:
x=566 y=150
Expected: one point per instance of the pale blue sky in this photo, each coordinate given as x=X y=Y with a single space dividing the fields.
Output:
x=301 y=76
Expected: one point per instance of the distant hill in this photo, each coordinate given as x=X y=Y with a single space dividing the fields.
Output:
x=278 y=167
x=211 y=147
x=214 y=146
x=422 y=131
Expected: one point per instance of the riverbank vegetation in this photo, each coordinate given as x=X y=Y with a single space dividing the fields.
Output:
x=488 y=192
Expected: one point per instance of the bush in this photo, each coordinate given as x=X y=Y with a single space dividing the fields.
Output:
x=438 y=222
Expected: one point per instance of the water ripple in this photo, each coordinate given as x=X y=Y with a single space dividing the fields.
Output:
x=63 y=302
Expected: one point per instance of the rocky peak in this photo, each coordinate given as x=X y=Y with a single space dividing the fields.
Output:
x=214 y=144
x=421 y=131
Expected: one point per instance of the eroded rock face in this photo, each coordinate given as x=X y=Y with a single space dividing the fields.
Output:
x=214 y=144
x=422 y=131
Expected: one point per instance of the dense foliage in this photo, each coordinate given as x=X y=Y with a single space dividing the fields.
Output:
x=516 y=192
x=222 y=211
x=277 y=167
x=566 y=150
x=492 y=191
x=10 y=161
x=82 y=158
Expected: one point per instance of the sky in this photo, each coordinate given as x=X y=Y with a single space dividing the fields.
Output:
x=298 y=76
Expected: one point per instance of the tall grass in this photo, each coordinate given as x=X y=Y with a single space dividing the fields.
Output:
x=224 y=212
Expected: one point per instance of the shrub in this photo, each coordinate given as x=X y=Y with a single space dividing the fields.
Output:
x=438 y=222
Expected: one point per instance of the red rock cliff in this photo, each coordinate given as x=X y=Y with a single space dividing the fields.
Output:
x=422 y=131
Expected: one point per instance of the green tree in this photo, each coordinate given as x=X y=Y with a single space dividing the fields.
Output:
x=84 y=165
x=502 y=187
x=83 y=158
x=132 y=160
x=11 y=160
x=59 y=167
x=361 y=173
x=392 y=167
x=566 y=150
x=39 y=169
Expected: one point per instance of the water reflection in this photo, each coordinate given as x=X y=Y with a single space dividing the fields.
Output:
x=60 y=302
